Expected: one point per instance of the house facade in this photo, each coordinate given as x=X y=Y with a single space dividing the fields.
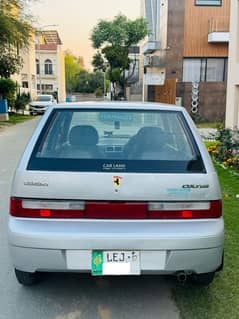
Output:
x=232 y=109
x=27 y=79
x=50 y=65
x=192 y=60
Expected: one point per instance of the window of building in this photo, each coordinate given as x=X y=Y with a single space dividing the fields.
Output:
x=37 y=66
x=215 y=70
x=25 y=84
x=48 y=67
x=191 y=70
x=45 y=87
x=205 y=69
x=48 y=87
x=208 y=2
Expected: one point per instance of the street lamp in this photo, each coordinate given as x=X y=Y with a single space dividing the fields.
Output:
x=104 y=84
x=106 y=65
x=40 y=30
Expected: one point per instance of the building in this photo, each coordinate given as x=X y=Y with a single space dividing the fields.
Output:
x=50 y=65
x=27 y=79
x=232 y=109
x=187 y=52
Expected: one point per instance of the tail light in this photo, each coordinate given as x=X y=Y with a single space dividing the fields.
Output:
x=185 y=210
x=46 y=209
x=26 y=208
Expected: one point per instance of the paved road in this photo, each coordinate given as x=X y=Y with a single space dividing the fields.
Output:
x=70 y=296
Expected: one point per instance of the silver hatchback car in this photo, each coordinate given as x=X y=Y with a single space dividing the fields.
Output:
x=116 y=189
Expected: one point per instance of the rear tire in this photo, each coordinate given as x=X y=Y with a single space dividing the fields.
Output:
x=26 y=278
x=203 y=279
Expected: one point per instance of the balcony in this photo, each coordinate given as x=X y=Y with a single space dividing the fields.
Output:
x=218 y=30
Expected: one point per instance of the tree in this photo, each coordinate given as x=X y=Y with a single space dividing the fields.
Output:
x=10 y=62
x=90 y=82
x=113 y=40
x=15 y=34
x=73 y=67
x=7 y=90
x=15 y=28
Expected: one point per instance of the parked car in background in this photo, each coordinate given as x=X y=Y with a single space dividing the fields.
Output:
x=116 y=189
x=41 y=104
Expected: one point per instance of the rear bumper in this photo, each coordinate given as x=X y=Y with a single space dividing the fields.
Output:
x=165 y=246
x=197 y=261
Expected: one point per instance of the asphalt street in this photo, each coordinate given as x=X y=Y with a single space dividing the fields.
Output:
x=70 y=296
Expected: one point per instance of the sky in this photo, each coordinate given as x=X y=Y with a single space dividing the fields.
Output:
x=75 y=20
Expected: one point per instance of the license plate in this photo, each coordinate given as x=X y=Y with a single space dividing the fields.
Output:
x=115 y=263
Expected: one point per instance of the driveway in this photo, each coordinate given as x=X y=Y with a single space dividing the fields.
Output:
x=71 y=296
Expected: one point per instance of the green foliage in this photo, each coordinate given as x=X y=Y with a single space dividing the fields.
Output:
x=73 y=66
x=15 y=29
x=7 y=89
x=113 y=40
x=98 y=62
x=15 y=33
x=10 y=62
x=99 y=92
x=226 y=150
x=22 y=100
x=90 y=82
x=119 y=32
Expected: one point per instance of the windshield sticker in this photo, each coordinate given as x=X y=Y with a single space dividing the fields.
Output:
x=178 y=191
x=125 y=117
x=113 y=167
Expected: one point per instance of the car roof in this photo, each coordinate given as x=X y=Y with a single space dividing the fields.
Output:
x=120 y=105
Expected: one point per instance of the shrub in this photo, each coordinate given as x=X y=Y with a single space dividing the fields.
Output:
x=99 y=92
x=226 y=148
x=22 y=100
x=7 y=89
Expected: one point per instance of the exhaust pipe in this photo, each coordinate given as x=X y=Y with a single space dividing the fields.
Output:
x=182 y=277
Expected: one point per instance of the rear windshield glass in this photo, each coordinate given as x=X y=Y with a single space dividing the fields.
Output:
x=44 y=98
x=116 y=141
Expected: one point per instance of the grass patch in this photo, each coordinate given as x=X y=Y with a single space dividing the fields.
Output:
x=15 y=119
x=209 y=125
x=221 y=298
x=18 y=118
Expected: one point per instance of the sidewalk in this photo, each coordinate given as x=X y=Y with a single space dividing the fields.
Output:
x=207 y=134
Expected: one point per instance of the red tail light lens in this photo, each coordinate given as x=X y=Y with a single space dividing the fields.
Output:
x=214 y=210
x=18 y=209
x=114 y=210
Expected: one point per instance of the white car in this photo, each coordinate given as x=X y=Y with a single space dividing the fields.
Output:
x=116 y=189
x=41 y=104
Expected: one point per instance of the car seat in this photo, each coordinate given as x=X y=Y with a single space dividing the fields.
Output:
x=83 y=140
x=149 y=144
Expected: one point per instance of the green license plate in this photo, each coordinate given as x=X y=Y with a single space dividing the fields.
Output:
x=115 y=263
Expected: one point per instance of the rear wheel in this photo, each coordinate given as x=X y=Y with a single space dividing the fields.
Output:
x=26 y=278
x=203 y=279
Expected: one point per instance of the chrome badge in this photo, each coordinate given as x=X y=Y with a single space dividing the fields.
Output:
x=117 y=181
